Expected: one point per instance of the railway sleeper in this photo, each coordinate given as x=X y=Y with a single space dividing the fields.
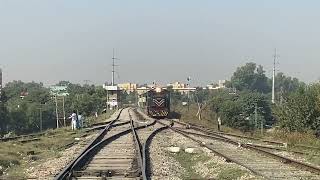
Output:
x=123 y=173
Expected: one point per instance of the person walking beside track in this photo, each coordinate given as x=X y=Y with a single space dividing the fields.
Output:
x=80 y=121
x=74 y=119
x=219 y=124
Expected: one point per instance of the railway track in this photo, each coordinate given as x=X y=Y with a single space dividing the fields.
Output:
x=22 y=137
x=261 y=162
x=260 y=143
x=119 y=152
x=35 y=136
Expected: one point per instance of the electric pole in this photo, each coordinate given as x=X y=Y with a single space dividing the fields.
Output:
x=57 y=114
x=256 y=116
x=113 y=65
x=273 y=75
x=188 y=86
x=40 y=117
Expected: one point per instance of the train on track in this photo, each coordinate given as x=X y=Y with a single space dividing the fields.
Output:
x=156 y=103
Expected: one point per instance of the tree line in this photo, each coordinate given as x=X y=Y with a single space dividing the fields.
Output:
x=246 y=102
x=22 y=102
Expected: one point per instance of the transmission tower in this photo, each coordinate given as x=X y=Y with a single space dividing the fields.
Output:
x=113 y=67
x=274 y=75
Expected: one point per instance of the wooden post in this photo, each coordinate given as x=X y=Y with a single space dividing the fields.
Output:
x=64 y=112
x=40 y=118
x=57 y=111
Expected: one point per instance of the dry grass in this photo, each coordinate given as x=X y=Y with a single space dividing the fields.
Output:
x=294 y=139
x=101 y=118
x=190 y=115
x=15 y=157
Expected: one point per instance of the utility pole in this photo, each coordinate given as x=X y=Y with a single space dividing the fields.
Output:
x=64 y=112
x=77 y=103
x=40 y=117
x=188 y=86
x=273 y=75
x=262 y=126
x=57 y=115
x=113 y=65
x=256 y=116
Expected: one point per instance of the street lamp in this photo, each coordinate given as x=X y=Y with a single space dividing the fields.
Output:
x=188 y=86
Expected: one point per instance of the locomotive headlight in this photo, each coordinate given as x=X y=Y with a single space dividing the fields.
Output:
x=158 y=90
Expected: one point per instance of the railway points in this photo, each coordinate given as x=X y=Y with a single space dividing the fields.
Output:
x=266 y=164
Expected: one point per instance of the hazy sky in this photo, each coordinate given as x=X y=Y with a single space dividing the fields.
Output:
x=161 y=40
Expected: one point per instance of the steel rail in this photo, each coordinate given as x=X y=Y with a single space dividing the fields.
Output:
x=137 y=144
x=283 y=159
x=21 y=137
x=233 y=142
x=104 y=126
x=146 y=155
x=65 y=172
x=93 y=150
x=146 y=146
x=65 y=146
x=216 y=152
x=197 y=127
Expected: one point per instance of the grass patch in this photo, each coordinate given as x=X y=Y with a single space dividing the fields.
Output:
x=15 y=157
x=209 y=120
x=231 y=173
x=188 y=161
x=101 y=118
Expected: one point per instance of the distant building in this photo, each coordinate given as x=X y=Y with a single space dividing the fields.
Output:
x=128 y=87
x=220 y=85
x=142 y=90
x=177 y=85
x=113 y=96
x=181 y=87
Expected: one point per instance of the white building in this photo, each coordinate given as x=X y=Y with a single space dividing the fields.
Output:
x=220 y=85
x=113 y=96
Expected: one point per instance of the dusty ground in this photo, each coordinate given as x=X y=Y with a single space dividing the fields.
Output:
x=44 y=158
x=201 y=164
x=49 y=168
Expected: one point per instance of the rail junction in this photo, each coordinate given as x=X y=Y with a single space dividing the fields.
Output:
x=121 y=150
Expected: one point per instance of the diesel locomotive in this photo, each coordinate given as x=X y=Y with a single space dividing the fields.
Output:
x=157 y=103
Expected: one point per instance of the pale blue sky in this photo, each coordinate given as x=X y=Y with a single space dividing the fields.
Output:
x=164 y=40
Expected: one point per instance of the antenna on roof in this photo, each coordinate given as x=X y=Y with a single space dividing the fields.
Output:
x=113 y=67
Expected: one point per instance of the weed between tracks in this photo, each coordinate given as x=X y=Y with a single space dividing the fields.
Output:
x=16 y=157
x=293 y=139
x=196 y=164
x=188 y=161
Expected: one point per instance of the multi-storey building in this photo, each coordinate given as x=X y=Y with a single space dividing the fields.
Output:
x=128 y=87
x=220 y=85
x=181 y=87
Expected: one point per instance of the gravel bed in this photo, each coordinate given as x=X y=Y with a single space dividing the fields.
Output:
x=52 y=166
x=215 y=165
x=163 y=165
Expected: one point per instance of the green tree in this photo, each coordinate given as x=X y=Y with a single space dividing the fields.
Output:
x=250 y=77
x=4 y=115
x=300 y=111
x=284 y=85
x=238 y=110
